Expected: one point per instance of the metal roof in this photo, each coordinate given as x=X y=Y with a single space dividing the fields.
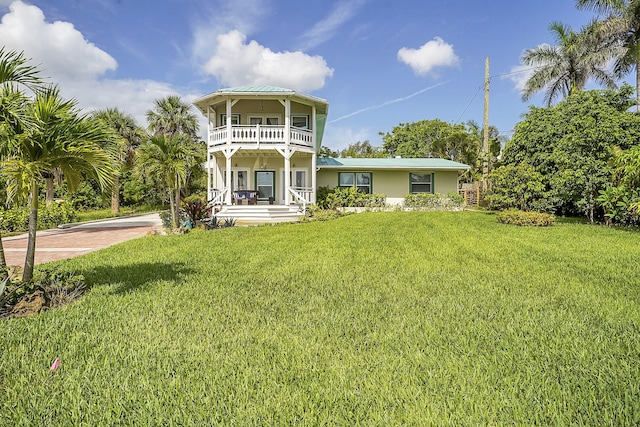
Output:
x=390 y=163
x=260 y=88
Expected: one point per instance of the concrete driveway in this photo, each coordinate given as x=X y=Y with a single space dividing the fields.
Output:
x=79 y=239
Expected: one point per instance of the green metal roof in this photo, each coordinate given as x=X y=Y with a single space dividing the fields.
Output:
x=390 y=163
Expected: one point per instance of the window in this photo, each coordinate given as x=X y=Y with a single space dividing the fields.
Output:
x=235 y=119
x=361 y=180
x=270 y=121
x=421 y=183
x=301 y=122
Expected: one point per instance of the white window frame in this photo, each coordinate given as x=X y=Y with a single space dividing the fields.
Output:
x=235 y=119
x=298 y=116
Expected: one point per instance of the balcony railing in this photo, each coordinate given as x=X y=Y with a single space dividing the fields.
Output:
x=259 y=134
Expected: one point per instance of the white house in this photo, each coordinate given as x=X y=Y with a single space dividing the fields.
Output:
x=262 y=156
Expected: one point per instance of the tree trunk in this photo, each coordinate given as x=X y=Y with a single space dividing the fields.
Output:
x=29 y=261
x=3 y=261
x=49 y=196
x=638 y=86
x=177 y=201
x=172 y=206
x=115 y=195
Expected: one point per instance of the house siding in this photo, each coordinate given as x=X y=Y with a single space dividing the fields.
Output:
x=393 y=183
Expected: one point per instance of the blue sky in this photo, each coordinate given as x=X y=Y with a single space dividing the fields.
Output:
x=378 y=63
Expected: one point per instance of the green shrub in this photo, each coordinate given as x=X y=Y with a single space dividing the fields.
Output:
x=434 y=202
x=316 y=213
x=17 y=219
x=518 y=187
x=515 y=217
x=352 y=197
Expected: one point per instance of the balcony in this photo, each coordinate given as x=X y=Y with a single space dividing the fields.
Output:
x=260 y=134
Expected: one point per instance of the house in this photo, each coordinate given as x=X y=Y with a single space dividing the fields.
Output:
x=263 y=164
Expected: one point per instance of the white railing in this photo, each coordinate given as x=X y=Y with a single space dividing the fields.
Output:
x=302 y=195
x=216 y=197
x=259 y=134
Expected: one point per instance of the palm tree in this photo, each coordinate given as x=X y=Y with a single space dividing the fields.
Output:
x=14 y=72
x=128 y=136
x=622 y=24
x=58 y=137
x=170 y=116
x=170 y=160
x=566 y=68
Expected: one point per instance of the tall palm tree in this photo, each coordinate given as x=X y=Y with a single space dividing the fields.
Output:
x=15 y=71
x=622 y=23
x=170 y=160
x=58 y=137
x=170 y=116
x=565 y=68
x=128 y=136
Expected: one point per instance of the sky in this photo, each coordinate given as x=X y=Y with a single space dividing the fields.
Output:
x=378 y=63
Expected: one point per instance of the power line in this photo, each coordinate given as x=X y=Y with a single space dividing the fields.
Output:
x=469 y=104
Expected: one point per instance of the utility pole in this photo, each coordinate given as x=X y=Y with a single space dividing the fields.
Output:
x=485 y=139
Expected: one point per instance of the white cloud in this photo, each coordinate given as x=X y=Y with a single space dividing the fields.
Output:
x=325 y=29
x=77 y=65
x=432 y=54
x=61 y=49
x=519 y=75
x=238 y=63
x=6 y=3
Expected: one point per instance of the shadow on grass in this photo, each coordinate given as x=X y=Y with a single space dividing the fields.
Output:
x=135 y=277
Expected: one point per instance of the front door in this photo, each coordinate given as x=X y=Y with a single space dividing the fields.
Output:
x=265 y=181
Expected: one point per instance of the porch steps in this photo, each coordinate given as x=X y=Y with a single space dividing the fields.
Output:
x=260 y=214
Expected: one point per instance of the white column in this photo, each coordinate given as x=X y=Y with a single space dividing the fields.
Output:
x=287 y=157
x=227 y=153
x=314 y=182
x=228 y=173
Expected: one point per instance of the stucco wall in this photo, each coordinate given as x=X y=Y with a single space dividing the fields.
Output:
x=394 y=184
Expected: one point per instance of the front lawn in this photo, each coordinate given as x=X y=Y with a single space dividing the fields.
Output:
x=407 y=318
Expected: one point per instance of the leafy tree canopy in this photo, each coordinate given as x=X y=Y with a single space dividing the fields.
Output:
x=572 y=143
x=362 y=149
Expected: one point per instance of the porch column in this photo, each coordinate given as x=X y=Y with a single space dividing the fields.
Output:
x=287 y=177
x=227 y=153
x=287 y=157
x=228 y=174
x=314 y=183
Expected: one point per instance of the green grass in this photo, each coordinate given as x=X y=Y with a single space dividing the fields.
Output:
x=375 y=319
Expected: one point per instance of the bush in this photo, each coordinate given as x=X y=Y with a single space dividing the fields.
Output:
x=17 y=219
x=516 y=217
x=316 y=213
x=352 y=197
x=434 y=202
x=518 y=187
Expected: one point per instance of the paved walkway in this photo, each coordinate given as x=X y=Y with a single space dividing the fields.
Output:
x=79 y=239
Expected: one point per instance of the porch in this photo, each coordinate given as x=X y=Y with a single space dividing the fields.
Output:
x=254 y=135
x=260 y=214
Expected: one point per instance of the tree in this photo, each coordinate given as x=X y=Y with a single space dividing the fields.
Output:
x=572 y=143
x=622 y=25
x=564 y=69
x=362 y=149
x=14 y=73
x=128 y=136
x=170 y=116
x=328 y=152
x=56 y=137
x=517 y=187
x=434 y=138
x=170 y=160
